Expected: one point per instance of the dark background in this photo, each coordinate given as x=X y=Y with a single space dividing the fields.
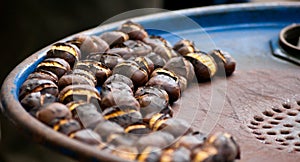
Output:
x=29 y=25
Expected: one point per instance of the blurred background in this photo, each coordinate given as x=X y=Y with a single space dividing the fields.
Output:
x=28 y=26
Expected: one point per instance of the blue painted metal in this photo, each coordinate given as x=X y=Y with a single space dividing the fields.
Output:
x=243 y=30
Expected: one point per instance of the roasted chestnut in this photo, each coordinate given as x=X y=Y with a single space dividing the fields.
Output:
x=35 y=100
x=145 y=63
x=224 y=61
x=176 y=127
x=137 y=129
x=204 y=65
x=139 y=48
x=43 y=74
x=108 y=59
x=89 y=44
x=56 y=65
x=118 y=78
x=125 y=152
x=80 y=92
x=69 y=79
x=134 y=30
x=106 y=128
x=52 y=113
x=66 y=51
x=158 y=139
x=165 y=52
x=124 y=52
x=101 y=71
x=87 y=136
x=184 y=47
x=67 y=126
x=114 y=37
x=155 y=41
x=157 y=60
x=88 y=75
x=166 y=80
x=38 y=85
x=131 y=70
x=181 y=67
x=88 y=115
x=122 y=115
x=149 y=154
x=180 y=154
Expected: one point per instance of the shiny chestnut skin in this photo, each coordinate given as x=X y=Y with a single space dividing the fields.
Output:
x=184 y=47
x=108 y=59
x=114 y=37
x=35 y=100
x=43 y=74
x=139 y=48
x=176 y=127
x=157 y=60
x=66 y=51
x=38 y=85
x=119 y=78
x=88 y=115
x=88 y=75
x=149 y=154
x=124 y=52
x=180 y=154
x=226 y=145
x=165 y=52
x=69 y=79
x=134 y=30
x=52 y=113
x=123 y=139
x=89 y=44
x=87 y=136
x=125 y=152
x=138 y=129
x=181 y=67
x=57 y=66
x=158 y=139
x=131 y=70
x=152 y=100
x=204 y=65
x=101 y=71
x=106 y=128
x=80 y=92
x=67 y=126
x=123 y=115
x=166 y=80
x=206 y=154
x=145 y=63
x=155 y=40
x=189 y=141
x=224 y=61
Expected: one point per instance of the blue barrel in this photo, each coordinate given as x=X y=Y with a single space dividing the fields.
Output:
x=259 y=104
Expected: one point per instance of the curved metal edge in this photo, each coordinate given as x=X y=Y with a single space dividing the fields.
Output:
x=43 y=134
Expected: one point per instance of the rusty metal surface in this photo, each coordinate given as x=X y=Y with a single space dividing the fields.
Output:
x=260 y=83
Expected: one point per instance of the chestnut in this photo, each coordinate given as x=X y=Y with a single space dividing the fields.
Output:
x=108 y=59
x=134 y=30
x=224 y=61
x=184 y=47
x=57 y=66
x=113 y=38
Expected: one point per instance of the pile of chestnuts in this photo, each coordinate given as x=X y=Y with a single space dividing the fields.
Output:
x=115 y=91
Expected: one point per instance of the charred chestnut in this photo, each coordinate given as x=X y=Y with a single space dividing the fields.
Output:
x=204 y=65
x=134 y=30
x=124 y=52
x=165 y=52
x=224 y=61
x=57 y=66
x=137 y=129
x=66 y=51
x=69 y=79
x=155 y=41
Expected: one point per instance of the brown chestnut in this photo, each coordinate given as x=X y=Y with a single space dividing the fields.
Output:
x=134 y=30
x=56 y=65
x=224 y=61
x=114 y=37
